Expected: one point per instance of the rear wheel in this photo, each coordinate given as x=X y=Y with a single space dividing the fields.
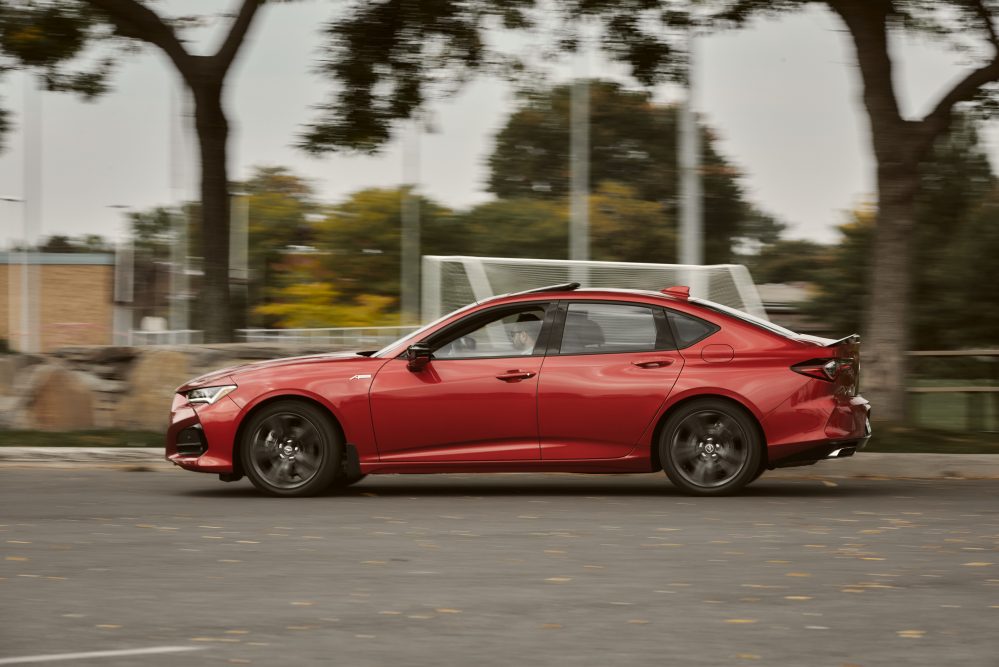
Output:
x=710 y=447
x=291 y=448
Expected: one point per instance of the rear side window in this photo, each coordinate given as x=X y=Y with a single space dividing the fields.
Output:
x=606 y=328
x=688 y=329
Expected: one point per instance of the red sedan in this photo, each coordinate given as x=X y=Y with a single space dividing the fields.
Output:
x=552 y=379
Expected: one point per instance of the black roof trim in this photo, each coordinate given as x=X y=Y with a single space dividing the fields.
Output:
x=561 y=287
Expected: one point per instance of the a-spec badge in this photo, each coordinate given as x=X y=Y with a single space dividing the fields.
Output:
x=366 y=376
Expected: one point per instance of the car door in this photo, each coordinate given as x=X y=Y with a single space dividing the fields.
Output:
x=610 y=367
x=476 y=400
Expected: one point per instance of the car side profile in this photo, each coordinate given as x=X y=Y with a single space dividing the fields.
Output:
x=556 y=379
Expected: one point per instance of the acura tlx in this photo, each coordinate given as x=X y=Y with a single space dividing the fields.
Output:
x=556 y=379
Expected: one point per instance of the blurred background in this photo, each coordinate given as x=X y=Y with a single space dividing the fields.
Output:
x=194 y=173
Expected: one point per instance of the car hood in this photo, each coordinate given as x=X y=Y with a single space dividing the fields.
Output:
x=232 y=374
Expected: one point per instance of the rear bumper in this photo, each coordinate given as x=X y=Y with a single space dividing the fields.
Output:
x=848 y=431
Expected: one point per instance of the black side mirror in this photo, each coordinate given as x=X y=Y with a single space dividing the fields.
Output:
x=418 y=355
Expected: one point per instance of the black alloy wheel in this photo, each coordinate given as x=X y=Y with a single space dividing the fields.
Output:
x=710 y=447
x=291 y=448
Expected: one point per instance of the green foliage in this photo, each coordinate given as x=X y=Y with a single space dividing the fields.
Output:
x=789 y=261
x=624 y=228
x=319 y=305
x=389 y=57
x=360 y=239
x=85 y=243
x=279 y=205
x=956 y=236
x=516 y=227
x=50 y=37
x=531 y=161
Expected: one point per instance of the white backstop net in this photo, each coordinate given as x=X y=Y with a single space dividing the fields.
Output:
x=450 y=282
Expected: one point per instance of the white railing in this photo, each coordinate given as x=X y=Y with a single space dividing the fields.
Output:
x=344 y=337
x=347 y=337
x=168 y=337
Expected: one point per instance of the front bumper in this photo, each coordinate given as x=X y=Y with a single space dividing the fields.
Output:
x=200 y=437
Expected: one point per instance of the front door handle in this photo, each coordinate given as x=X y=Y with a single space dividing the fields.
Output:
x=657 y=363
x=513 y=376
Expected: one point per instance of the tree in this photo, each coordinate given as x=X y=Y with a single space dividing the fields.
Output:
x=75 y=244
x=280 y=206
x=900 y=146
x=387 y=58
x=952 y=241
x=632 y=142
x=788 y=261
x=47 y=36
x=360 y=239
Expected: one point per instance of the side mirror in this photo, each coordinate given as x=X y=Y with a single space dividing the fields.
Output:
x=418 y=355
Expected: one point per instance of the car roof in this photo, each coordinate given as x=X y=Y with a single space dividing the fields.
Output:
x=572 y=291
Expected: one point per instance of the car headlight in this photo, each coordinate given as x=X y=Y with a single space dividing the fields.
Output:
x=208 y=395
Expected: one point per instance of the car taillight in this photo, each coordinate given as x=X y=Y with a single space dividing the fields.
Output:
x=823 y=369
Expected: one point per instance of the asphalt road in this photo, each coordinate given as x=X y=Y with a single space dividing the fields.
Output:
x=497 y=570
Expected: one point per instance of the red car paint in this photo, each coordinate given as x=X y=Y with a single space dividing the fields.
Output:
x=548 y=412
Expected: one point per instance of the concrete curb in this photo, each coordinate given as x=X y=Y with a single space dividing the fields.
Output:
x=863 y=465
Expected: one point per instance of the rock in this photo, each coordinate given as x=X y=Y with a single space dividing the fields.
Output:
x=152 y=381
x=58 y=400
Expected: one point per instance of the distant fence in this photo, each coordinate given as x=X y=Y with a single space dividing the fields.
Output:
x=956 y=388
x=170 y=337
x=349 y=337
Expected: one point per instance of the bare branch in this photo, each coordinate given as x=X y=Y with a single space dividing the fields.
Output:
x=237 y=32
x=139 y=22
x=938 y=120
x=986 y=17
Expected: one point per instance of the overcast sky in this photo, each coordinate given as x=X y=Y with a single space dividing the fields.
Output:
x=782 y=96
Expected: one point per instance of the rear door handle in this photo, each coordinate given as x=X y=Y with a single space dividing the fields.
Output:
x=513 y=376
x=657 y=363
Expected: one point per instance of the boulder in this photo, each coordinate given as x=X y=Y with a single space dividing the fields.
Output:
x=152 y=380
x=57 y=399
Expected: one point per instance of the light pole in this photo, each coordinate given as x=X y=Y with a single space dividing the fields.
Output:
x=13 y=326
x=124 y=286
x=239 y=251
x=409 y=236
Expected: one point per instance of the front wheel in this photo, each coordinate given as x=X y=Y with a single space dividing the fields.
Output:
x=291 y=448
x=710 y=447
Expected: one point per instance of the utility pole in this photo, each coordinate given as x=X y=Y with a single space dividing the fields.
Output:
x=579 y=164
x=409 y=242
x=30 y=340
x=691 y=238
x=12 y=320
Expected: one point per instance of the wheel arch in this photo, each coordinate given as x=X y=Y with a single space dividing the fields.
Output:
x=237 y=441
x=746 y=409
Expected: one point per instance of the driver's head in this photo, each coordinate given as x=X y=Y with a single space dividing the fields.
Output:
x=524 y=331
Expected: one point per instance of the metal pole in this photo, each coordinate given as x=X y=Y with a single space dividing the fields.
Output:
x=579 y=165
x=179 y=306
x=239 y=256
x=12 y=322
x=691 y=215
x=30 y=307
x=409 y=272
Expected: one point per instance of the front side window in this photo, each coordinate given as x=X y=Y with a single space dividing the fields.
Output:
x=508 y=333
x=605 y=328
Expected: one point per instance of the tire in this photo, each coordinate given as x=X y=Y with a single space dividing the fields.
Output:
x=291 y=448
x=710 y=447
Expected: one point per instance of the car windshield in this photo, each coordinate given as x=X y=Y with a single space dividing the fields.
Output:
x=419 y=332
x=746 y=317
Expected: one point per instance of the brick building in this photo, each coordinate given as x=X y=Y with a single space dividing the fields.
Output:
x=70 y=300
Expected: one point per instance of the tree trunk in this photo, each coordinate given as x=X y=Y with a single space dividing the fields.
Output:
x=886 y=338
x=213 y=133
